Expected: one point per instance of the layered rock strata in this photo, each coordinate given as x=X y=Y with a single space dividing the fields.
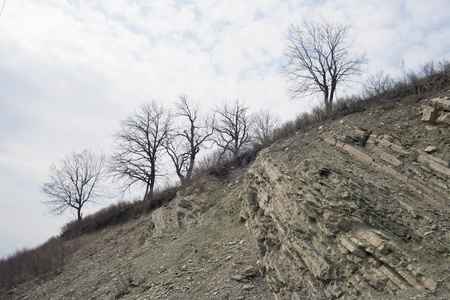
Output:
x=351 y=217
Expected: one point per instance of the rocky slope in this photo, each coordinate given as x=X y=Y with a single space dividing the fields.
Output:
x=355 y=209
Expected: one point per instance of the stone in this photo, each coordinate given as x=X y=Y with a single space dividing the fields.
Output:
x=399 y=148
x=439 y=160
x=430 y=149
x=430 y=284
x=357 y=259
x=329 y=217
x=384 y=249
x=352 y=248
x=237 y=277
x=387 y=137
x=330 y=140
x=375 y=262
x=411 y=279
x=334 y=290
x=358 y=243
x=429 y=114
x=361 y=136
x=249 y=272
x=438 y=112
x=346 y=224
x=372 y=239
x=393 y=276
x=444 y=118
x=298 y=226
x=315 y=263
x=393 y=172
x=441 y=104
x=247 y=287
x=345 y=194
x=385 y=143
x=359 y=155
x=390 y=159
x=439 y=167
x=361 y=132
x=423 y=157
x=340 y=144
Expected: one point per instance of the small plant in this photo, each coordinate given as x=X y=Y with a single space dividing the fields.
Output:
x=378 y=84
x=124 y=282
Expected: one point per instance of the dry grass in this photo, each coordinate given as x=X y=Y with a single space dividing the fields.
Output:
x=49 y=258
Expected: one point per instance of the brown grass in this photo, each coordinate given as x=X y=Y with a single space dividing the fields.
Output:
x=48 y=258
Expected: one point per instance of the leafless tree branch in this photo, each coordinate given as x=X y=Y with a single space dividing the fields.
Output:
x=265 y=122
x=185 y=143
x=74 y=182
x=318 y=59
x=232 y=128
x=140 y=143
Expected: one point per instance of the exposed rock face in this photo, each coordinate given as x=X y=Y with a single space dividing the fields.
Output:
x=438 y=111
x=338 y=220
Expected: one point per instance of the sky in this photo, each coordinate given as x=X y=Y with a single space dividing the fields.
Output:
x=71 y=70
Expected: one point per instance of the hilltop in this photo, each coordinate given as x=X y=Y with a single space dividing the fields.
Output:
x=353 y=208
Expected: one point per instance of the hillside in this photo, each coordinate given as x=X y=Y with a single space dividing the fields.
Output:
x=356 y=208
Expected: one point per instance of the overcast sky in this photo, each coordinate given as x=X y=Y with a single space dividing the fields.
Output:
x=71 y=70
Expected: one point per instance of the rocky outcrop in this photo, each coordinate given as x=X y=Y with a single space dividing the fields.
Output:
x=354 y=216
x=438 y=111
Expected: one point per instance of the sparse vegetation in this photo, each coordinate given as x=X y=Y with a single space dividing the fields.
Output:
x=124 y=282
x=49 y=258
x=378 y=84
x=46 y=259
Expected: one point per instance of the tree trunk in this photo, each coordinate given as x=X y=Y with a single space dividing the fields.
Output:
x=328 y=106
x=331 y=98
x=329 y=109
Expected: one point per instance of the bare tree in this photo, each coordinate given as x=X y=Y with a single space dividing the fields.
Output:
x=265 y=122
x=319 y=59
x=75 y=181
x=140 y=143
x=184 y=145
x=232 y=128
x=378 y=84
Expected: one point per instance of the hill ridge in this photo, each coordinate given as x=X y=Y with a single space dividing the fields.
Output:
x=353 y=208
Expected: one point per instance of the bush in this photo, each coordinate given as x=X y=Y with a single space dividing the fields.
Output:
x=378 y=84
x=25 y=264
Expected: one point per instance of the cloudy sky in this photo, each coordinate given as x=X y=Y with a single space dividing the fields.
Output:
x=71 y=70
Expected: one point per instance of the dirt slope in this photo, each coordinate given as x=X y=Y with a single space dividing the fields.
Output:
x=195 y=248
